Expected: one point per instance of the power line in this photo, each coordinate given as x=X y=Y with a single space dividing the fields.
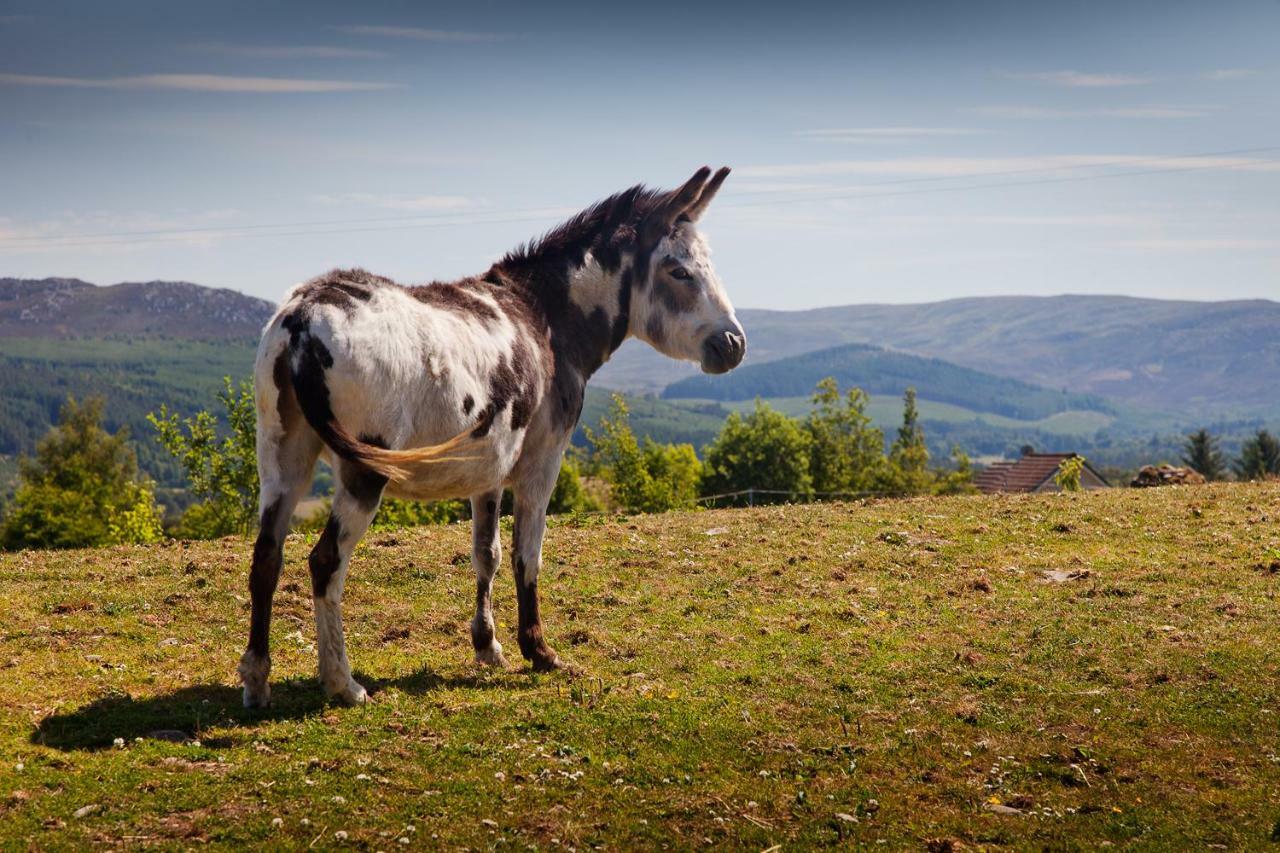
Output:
x=427 y=220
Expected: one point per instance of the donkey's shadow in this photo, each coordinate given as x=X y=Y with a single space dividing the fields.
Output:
x=190 y=711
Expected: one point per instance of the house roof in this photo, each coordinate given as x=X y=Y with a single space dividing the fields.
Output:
x=1027 y=474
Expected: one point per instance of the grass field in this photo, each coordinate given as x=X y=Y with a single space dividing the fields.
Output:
x=1049 y=671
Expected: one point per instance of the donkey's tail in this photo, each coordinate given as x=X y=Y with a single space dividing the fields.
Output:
x=310 y=358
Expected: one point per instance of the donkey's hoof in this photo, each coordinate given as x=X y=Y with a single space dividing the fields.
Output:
x=253 y=672
x=546 y=661
x=491 y=656
x=259 y=697
x=352 y=694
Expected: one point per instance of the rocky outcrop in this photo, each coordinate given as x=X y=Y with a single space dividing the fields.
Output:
x=1165 y=475
x=68 y=307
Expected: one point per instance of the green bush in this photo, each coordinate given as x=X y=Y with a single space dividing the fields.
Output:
x=1067 y=476
x=846 y=452
x=395 y=513
x=648 y=477
x=82 y=488
x=222 y=472
x=569 y=496
x=765 y=450
x=1259 y=457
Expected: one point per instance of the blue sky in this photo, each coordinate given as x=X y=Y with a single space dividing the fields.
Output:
x=882 y=152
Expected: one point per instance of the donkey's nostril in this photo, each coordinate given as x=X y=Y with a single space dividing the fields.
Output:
x=723 y=351
x=737 y=347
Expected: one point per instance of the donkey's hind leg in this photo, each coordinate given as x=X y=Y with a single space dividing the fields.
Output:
x=287 y=451
x=355 y=502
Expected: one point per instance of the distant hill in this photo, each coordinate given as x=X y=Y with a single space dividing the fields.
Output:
x=69 y=307
x=1210 y=358
x=879 y=371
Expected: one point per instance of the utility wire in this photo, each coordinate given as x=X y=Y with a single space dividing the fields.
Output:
x=427 y=220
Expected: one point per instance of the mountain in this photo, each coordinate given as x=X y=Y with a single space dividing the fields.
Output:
x=880 y=371
x=1205 y=358
x=69 y=307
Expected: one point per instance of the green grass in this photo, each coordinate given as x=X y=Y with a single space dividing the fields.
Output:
x=846 y=673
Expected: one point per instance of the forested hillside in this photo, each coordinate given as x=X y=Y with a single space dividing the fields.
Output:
x=1207 y=359
x=879 y=371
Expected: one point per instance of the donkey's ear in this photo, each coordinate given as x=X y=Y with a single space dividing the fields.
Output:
x=683 y=198
x=709 y=191
x=660 y=222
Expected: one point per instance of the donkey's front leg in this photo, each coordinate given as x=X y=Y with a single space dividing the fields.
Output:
x=329 y=561
x=531 y=524
x=486 y=553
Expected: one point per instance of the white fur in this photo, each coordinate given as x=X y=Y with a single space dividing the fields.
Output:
x=685 y=331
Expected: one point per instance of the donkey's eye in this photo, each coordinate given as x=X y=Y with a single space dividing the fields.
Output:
x=681 y=274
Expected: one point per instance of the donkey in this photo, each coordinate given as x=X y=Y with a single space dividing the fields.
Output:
x=460 y=389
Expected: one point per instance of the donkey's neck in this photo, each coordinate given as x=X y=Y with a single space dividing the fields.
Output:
x=586 y=305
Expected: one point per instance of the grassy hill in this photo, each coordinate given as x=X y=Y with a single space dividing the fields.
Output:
x=879 y=371
x=1033 y=672
x=1204 y=358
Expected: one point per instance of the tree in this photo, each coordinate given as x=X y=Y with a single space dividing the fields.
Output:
x=82 y=488
x=648 y=477
x=908 y=470
x=959 y=480
x=846 y=451
x=1259 y=457
x=223 y=472
x=765 y=450
x=1201 y=454
x=1067 y=477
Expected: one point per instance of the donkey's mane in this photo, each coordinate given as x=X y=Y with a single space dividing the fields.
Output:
x=612 y=220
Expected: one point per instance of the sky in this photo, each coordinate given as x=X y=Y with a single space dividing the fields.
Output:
x=882 y=152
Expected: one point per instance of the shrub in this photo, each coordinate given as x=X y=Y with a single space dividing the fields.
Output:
x=223 y=472
x=765 y=450
x=82 y=488
x=643 y=478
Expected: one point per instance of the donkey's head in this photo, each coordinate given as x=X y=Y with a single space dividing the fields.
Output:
x=678 y=304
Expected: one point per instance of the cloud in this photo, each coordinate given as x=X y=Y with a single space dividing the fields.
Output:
x=1080 y=80
x=115 y=232
x=881 y=134
x=421 y=34
x=1231 y=73
x=1135 y=112
x=290 y=51
x=1203 y=244
x=197 y=83
x=402 y=202
x=1082 y=220
x=977 y=167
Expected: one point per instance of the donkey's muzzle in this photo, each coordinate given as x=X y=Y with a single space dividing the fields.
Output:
x=723 y=351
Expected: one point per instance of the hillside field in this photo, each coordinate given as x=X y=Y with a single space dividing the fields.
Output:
x=1038 y=671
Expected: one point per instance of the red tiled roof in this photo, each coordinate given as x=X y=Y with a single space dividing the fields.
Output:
x=1022 y=475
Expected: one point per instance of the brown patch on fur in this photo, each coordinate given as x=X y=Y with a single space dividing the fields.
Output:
x=264 y=574
x=460 y=297
x=533 y=646
x=324 y=558
x=286 y=399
